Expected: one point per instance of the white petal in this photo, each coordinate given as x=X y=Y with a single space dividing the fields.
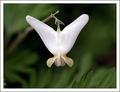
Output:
x=47 y=34
x=71 y=32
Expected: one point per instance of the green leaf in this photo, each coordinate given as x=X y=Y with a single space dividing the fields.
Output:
x=103 y=78
x=19 y=63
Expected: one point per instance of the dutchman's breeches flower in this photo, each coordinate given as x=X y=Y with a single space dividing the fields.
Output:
x=59 y=43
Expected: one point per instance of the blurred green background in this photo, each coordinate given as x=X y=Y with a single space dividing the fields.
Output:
x=94 y=52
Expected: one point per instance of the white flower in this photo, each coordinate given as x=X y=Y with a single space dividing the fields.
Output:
x=59 y=43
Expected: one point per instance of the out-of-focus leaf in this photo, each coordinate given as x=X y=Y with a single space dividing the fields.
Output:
x=110 y=80
x=43 y=79
x=15 y=15
x=65 y=78
x=103 y=78
x=85 y=64
x=19 y=63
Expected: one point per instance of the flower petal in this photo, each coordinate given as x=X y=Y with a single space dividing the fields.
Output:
x=50 y=61
x=68 y=61
x=71 y=32
x=47 y=34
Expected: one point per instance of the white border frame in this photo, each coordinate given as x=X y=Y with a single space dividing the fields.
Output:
x=66 y=89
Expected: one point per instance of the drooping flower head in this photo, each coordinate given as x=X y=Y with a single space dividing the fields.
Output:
x=59 y=43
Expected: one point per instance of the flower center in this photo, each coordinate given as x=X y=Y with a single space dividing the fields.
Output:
x=59 y=61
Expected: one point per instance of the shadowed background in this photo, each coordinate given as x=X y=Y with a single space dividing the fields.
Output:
x=94 y=52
